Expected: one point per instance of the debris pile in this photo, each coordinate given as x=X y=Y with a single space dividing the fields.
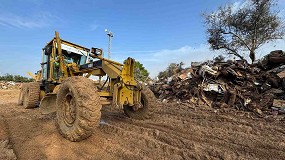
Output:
x=258 y=87
x=9 y=85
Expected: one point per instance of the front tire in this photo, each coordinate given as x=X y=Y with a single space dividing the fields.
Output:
x=148 y=100
x=78 y=108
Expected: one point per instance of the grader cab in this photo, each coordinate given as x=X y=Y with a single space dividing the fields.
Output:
x=63 y=86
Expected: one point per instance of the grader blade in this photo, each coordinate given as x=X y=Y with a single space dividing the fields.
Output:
x=48 y=104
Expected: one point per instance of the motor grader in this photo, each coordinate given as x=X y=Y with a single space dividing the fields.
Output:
x=63 y=86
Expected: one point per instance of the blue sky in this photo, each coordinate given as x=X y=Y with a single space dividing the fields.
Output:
x=154 y=32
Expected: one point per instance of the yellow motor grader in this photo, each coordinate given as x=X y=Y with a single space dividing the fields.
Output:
x=63 y=86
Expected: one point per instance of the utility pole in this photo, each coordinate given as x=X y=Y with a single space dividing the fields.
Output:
x=110 y=35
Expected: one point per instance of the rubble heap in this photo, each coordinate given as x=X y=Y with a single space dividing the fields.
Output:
x=9 y=85
x=259 y=87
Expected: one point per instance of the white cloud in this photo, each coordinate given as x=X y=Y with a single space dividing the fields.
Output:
x=93 y=27
x=37 y=21
x=156 y=61
x=186 y=54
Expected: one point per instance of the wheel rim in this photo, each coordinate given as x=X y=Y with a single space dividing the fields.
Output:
x=138 y=107
x=69 y=109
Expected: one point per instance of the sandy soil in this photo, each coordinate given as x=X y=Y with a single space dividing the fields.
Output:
x=174 y=132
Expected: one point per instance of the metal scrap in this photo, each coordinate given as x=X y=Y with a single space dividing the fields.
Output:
x=236 y=84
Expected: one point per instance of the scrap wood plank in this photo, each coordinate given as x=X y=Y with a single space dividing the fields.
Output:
x=281 y=74
x=279 y=103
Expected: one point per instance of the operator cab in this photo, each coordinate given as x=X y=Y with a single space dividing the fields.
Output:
x=72 y=53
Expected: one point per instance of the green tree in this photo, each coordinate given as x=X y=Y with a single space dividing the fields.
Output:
x=171 y=70
x=245 y=28
x=162 y=75
x=15 y=78
x=141 y=73
x=8 y=77
x=219 y=58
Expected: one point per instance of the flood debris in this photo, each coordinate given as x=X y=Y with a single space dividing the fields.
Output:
x=255 y=87
x=9 y=85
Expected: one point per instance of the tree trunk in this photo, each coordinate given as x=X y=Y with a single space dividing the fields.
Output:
x=252 y=56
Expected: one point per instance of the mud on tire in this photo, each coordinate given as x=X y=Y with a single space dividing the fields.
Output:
x=148 y=101
x=78 y=108
x=30 y=95
x=22 y=92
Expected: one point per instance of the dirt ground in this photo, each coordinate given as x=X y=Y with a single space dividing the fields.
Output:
x=175 y=131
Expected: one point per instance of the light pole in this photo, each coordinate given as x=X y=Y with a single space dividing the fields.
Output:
x=110 y=35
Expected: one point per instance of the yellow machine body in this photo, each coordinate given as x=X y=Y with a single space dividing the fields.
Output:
x=119 y=88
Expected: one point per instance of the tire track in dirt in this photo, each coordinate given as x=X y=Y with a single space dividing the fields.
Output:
x=219 y=139
x=175 y=131
x=120 y=125
x=6 y=150
x=146 y=145
x=229 y=136
x=182 y=142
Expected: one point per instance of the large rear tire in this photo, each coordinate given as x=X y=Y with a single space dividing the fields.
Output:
x=78 y=108
x=31 y=95
x=148 y=100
